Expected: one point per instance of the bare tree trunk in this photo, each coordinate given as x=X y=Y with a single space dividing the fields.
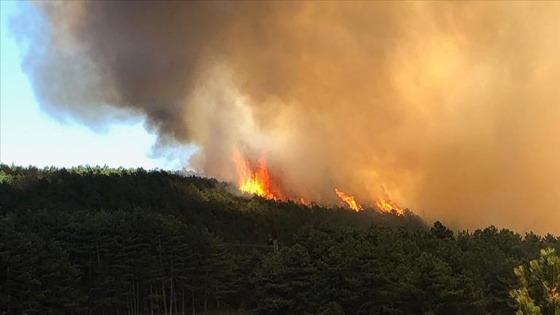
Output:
x=171 y=298
x=164 y=297
x=175 y=301
x=90 y=284
x=206 y=293
x=98 y=267
x=151 y=300
x=136 y=299
x=192 y=297
x=10 y=292
x=217 y=297
x=98 y=256
x=183 y=302
x=163 y=279
x=131 y=300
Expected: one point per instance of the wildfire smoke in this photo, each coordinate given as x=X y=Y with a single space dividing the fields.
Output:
x=453 y=107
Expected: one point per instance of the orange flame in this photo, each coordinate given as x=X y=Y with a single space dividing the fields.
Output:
x=387 y=205
x=253 y=179
x=350 y=201
x=303 y=201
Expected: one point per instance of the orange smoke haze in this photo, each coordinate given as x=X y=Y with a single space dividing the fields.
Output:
x=450 y=108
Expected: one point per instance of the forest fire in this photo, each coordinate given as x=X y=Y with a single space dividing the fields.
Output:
x=349 y=200
x=251 y=178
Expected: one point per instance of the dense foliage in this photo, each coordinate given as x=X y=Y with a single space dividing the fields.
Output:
x=539 y=291
x=117 y=241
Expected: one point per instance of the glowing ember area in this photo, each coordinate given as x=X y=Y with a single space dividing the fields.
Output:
x=349 y=200
x=387 y=205
x=253 y=178
x=303 y=201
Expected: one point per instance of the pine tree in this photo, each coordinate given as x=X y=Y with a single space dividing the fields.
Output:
x=539 y=288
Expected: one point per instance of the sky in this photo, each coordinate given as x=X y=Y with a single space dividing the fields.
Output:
x=28 y=136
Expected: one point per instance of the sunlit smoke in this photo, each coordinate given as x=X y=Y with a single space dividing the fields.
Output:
x=452 y=107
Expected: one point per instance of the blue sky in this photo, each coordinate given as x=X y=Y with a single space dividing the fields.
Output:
x=28 y=136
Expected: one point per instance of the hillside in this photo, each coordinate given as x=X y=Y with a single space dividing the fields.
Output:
x=114 y=241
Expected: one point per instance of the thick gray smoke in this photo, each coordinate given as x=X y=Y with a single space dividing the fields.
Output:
x=452 y=108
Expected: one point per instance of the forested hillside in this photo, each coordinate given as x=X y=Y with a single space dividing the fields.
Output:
x=118 y=241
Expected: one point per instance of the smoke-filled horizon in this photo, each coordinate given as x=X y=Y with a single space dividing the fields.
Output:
x=453 y=109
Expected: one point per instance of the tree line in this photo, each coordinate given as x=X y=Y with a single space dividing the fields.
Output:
x=96 y=240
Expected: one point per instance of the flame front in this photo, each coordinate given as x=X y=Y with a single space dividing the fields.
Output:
x=253 y=179
x=349 y=200
x=387 y=205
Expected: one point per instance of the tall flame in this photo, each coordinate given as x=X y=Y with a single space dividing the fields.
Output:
x=387 y=205
x=350 y=200
x=251 y=178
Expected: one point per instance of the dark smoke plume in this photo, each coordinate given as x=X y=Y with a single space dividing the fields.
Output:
x=453 y=109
